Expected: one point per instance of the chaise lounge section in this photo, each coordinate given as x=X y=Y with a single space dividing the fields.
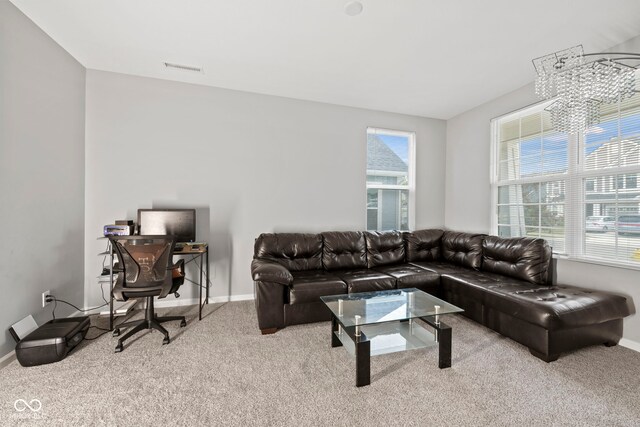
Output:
x=502 y=283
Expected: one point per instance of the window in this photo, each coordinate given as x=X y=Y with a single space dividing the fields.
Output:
x=580 y=192
x=590 y=184
x=531 y=178
x=390 y=179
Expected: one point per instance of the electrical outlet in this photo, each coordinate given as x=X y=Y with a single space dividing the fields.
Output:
x=45 y=294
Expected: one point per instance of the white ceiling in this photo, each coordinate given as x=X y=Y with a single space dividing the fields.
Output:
x=423 y=57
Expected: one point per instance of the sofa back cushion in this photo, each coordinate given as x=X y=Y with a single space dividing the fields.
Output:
x=423 y=245
x=524 y=258
x=384 y=248
x=464 y=249
x=296 y=251
x=344 y=249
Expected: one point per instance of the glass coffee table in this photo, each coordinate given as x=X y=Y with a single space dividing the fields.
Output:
x=372 y=323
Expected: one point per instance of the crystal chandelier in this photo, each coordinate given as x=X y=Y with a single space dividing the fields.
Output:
x=580 y=82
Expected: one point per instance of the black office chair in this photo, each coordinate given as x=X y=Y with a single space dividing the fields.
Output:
x=146 y=271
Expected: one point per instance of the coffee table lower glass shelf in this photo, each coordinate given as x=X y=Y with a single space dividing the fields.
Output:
x=373 y=323
x=391 y=337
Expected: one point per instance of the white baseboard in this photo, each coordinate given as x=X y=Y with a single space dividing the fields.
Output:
x=633 y=345
x=7 y=358
x=177 y=302
x=229 y=298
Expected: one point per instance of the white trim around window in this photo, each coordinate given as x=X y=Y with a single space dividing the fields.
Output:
x=410 y=174
x=581 y=192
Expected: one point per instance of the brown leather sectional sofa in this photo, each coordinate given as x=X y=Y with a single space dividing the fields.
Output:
x=504 y=284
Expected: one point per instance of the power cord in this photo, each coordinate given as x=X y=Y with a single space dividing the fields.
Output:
x=51 y=298
x=97 y=336
x=106 y=331
x=55 y=300
x=102 y=292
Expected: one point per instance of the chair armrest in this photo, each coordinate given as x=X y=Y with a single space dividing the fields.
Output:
x=269 y=271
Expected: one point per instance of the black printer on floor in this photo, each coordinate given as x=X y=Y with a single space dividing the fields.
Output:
x=52 y=341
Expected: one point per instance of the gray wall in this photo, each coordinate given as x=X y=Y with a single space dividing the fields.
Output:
x=250 y=163
x=42 y=94
x=468 y=191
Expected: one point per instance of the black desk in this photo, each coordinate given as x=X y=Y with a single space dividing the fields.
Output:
x=198 y=251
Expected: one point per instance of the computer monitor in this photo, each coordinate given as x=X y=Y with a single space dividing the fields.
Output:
x=180 y=223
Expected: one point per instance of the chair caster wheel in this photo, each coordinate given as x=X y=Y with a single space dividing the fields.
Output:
x=115 y=333
x=119 y=348
x=166 y=340
x=183 y=323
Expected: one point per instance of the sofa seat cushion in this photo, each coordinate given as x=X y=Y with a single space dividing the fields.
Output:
x=557 y=307
x=478 y=284
x=366 y=280
x=440 y=267
x=309 y=286
x=553 y=308
x=412 y=276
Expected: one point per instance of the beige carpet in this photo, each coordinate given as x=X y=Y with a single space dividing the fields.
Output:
x=221 y=371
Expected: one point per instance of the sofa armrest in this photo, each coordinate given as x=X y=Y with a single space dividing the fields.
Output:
x=269 y=271
x=272 y=281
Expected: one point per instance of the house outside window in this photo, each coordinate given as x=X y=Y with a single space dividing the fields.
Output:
x=390 y=179
x=579 y=192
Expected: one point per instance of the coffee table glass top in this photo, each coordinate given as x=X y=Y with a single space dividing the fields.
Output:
x=386 y=306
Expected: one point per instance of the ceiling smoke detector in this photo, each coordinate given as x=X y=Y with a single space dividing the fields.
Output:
x=183 y=67
x=353 y=8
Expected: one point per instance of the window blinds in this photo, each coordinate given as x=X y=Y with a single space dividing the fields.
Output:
x=530 y=185
x=580 y=192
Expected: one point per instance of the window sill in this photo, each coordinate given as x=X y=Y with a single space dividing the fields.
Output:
x=599 y=262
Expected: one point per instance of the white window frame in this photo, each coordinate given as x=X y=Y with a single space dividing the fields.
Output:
x=411 y=136
x=574 y=189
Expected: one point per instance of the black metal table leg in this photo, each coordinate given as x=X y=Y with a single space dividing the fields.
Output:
x=362 y=350
x=363 y=361
x=206 y=301
x=335 y=341
x=442 y=333
x=111 y=282
x=200 y=291
x=444 y=344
